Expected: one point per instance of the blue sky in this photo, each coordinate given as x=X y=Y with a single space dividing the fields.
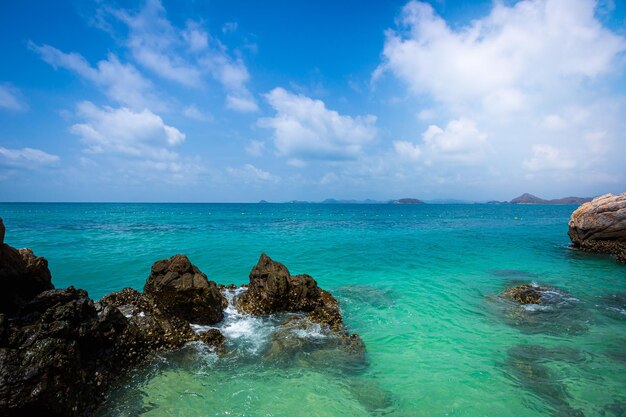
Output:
x=245 y=100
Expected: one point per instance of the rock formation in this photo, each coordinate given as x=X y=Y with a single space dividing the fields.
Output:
x=272 y=289
x=600 y=226
x=60 y=352
x=183 y=291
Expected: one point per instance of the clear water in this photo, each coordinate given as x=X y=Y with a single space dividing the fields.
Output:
x=418 y=283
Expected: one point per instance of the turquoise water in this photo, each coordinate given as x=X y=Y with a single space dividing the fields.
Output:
x=418 y=283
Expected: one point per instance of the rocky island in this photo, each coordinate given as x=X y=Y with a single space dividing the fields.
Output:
x=600 y=226
x=60 y=351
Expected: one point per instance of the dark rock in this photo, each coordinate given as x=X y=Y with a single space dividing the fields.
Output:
x=22 y=276
x=213 y=338
x=2 y=231
x=272 y=289
x=524 y=294
x=58 y=356
x=180 y=289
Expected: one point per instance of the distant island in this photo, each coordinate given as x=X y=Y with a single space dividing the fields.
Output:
x=408 y=201
x=531 y=199
x=525 y=198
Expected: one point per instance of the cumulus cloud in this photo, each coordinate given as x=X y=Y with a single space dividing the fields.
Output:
x=120 y=82
x=126 y=132
x=11 y=98
x=407 y=150
x=305 y=129
x=27 y=158
x=459 y=142
x=535 y=76
x=531 y=44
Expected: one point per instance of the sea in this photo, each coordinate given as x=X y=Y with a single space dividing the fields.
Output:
x=419 y=283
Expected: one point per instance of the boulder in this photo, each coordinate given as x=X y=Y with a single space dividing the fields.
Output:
x=272 y=289
x=58 y=355
x=179 y=288
x=600 y=226
x=22 y=276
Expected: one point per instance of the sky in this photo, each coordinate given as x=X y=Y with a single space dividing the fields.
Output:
x=238 y=101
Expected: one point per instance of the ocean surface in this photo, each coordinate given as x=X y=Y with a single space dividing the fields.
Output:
x=419 y=283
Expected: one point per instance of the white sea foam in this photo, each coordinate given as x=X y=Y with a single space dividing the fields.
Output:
x=245 y=331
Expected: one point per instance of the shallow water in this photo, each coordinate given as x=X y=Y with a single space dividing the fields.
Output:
x=418 y=283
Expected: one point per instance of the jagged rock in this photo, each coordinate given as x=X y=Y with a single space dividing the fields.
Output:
x=2 y=231
x=600 y=226
x=525 y=294
x=22 y=276
x=57 y=356
x=180 y=289
x=272 y=289
x=60 y=351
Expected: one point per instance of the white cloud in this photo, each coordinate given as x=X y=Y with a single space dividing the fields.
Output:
x=27 y=157
x=123 y=131
x=185 y=55
x=251 y=174
x=11 y=98
x=153 y=41
x=407 y=150
x=528 y=45
x=241 y=104
x=459 y=142
x=538 y=77
x=120 y=82
x=305 y=129
x=546 y=157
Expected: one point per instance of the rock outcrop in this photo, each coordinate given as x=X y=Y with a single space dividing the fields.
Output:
x=273 y=289
x=600 y=226
x=182 y=290
x=60 y=351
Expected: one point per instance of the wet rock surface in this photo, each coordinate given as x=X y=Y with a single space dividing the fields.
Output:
x=182 y=290
x=600 y=226
x=272 y=289
x=525 y=294
x=60 y=352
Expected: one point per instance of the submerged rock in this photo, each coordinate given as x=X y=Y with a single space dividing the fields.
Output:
x=181 y=289
x=525 y=294
x=540 y=309
x=600 y=226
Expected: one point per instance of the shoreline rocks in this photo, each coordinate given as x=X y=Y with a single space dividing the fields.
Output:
x=60 y=351
x=600 y=226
